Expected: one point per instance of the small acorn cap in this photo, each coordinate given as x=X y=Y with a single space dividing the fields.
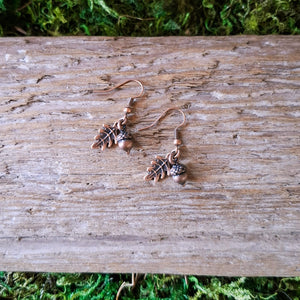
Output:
x=177 y=169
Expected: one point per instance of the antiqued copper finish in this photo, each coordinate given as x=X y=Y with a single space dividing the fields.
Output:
x=168 y=166
x=124 y=140
x=177 y=142
x=178 y=172
x=159 y=169
x=106 y=138
x=117 y=134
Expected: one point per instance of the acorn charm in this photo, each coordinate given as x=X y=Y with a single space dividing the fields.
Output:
x=178 y=172
x=168 y=166
x=124 y=140
x=109 y=135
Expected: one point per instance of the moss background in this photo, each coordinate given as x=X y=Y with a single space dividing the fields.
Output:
x=146 y=18
x=36 y=286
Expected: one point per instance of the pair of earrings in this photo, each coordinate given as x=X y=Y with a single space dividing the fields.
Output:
x=118 y=134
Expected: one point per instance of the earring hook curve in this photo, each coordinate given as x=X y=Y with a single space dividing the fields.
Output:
x=164 y=114
x=122 y=84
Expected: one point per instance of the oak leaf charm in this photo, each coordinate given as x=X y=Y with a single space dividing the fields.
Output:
x=159 y=169
x=106 y=138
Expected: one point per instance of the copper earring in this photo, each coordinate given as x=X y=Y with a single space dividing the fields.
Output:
x=168 y=166
x=117 y=133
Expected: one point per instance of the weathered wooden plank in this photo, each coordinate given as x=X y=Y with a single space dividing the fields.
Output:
x=65 y=207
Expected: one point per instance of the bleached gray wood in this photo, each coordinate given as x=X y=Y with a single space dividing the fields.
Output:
x=65 y=207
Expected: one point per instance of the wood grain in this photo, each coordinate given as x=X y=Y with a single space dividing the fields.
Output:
x=67 y=208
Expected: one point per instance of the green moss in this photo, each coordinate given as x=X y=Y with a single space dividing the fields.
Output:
x=149 y=18
x=273 y=17
x=251 y=25
x=105 y=286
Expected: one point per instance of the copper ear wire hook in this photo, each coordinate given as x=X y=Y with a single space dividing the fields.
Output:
x=177 y=141
x=120 y=85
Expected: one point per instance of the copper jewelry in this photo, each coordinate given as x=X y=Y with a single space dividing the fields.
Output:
x=117 y=133
x=168 y=166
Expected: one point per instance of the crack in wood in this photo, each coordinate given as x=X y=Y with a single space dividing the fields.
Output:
x=44 y=77
x=30 y=101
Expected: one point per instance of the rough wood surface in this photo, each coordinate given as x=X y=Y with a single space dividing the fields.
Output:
x=65 y=207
